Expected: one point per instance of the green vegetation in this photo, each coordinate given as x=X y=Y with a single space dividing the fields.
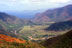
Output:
x=60 y=26
x=37 y=32
x=62 y=41
x=4 y=44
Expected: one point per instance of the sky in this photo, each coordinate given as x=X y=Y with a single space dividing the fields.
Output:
x=21 y=5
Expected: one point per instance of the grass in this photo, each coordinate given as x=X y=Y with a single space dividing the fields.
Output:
x=29 y=44
x=34 y=27
x=37 y=32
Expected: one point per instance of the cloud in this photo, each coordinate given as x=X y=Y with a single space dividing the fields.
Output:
x=59 y=1
x=32 y=4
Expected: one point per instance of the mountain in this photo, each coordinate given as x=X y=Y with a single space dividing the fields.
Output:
x=9 y=18
x=26 y=14
x=23 y=14
x=56 y=15
x=60 y=26
x=41 y=18
x=12 y=23
x=9 y=22
x=62 y=41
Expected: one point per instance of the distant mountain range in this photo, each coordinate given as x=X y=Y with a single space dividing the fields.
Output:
x=55 y=15
x=62 y=41
x=60 y=26
x=26 y=14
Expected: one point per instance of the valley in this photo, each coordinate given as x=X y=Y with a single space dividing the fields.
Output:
x=37 y=33
x=49 y=29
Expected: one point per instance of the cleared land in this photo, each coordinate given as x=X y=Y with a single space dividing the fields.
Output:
x=36 y=32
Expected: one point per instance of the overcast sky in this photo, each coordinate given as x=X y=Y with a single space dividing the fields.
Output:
x=20 y=5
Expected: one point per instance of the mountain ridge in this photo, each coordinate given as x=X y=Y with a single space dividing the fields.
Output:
x=60 y=26
x=56 y=15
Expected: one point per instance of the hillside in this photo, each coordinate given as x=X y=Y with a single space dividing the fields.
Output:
x=55 y=15
x=4 y=32
x=9 y=22
x=10 y=42
x=10 y=39
x=12 y=23
x=9 y=18
x=60 y=26
x=63 y=41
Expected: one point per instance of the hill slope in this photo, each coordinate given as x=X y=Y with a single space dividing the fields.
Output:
x=9 y=18
x=10 y=39
x=60 y=26
x=10 y=22
x=63 y=41
x=10 y=42
x=56 y=15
